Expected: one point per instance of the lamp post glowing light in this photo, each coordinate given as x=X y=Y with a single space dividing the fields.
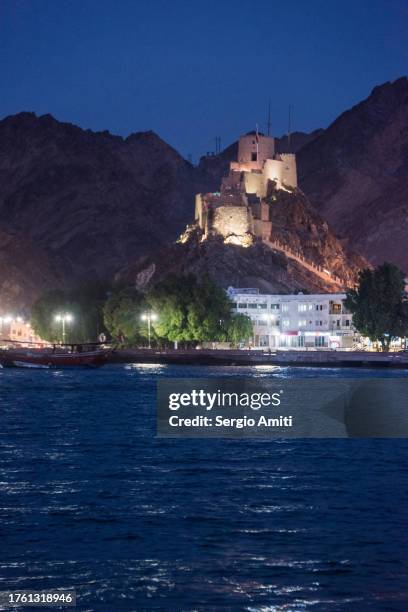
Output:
x=149 y=317
x=64 y=318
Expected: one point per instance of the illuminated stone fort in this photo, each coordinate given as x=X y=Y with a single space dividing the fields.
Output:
x=240 y=211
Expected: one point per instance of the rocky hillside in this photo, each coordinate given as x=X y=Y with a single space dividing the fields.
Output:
x=295 y=224
x=76 y=204
x=356 y=174
x=24 y=269
x=90 y=199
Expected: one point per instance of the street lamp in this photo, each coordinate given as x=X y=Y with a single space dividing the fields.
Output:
x=63 y=318
x=149 y=317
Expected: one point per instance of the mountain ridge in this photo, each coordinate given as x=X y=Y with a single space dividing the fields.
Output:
x=88 y=203
x=356 y=173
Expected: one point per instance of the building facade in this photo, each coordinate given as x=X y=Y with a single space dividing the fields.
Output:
x=302 y=321
x=15 y=329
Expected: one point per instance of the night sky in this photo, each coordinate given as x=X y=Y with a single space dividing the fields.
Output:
x=192 y=70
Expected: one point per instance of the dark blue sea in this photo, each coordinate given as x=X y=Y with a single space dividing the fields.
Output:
x=91 y=500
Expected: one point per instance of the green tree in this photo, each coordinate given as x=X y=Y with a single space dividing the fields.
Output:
x=379 y=306
x=239 y=329
x=122 y=315
x=84 y=303
x=43 y=315
x=189 y=309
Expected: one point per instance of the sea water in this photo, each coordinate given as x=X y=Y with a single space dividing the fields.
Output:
x=91 y=500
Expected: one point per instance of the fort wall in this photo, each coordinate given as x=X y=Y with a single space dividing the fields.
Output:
x=231 y=220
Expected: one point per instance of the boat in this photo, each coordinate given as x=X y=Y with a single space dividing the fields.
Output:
x=56 y=356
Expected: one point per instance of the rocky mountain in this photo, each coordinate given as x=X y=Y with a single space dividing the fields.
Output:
x=76 y=204
x=24 y=268
x=356 y=174
x=91 y=200
x=296 y=225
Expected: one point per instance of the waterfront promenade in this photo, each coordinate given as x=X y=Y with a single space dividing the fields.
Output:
x=318 y=358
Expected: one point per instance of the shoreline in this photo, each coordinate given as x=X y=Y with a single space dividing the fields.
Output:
x=209 y=357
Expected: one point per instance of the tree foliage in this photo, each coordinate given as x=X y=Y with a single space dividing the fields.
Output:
x=239 y=329
x=378 y=305
x=84 y=303
x=195 y=310
x=122 y=316
x=187 y=309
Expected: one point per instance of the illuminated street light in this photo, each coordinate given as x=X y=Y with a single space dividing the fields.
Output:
x=63 y=318
x=149 y=317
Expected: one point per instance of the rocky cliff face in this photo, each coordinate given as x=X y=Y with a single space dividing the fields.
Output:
x=294 y=223
x=356 y=174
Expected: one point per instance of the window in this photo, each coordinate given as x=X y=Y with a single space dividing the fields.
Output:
x=320 y=341
x=234 y=305
x=242 y=305
x=254 y=157
x=301 y=307
x=263 y=305
x=302 y=322
x=285 y=307
x=301 y=341
x=347 y=322
x=285 y=322
x=283 y=341
x=274 y=306
x=252 y=305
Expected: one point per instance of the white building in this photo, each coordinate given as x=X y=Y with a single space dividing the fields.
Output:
x=296 y=321
x=15 y=329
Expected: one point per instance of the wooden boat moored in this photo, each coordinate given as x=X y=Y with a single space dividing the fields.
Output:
x=55 y=357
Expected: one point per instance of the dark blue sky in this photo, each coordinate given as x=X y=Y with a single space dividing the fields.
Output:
x=191 y=70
